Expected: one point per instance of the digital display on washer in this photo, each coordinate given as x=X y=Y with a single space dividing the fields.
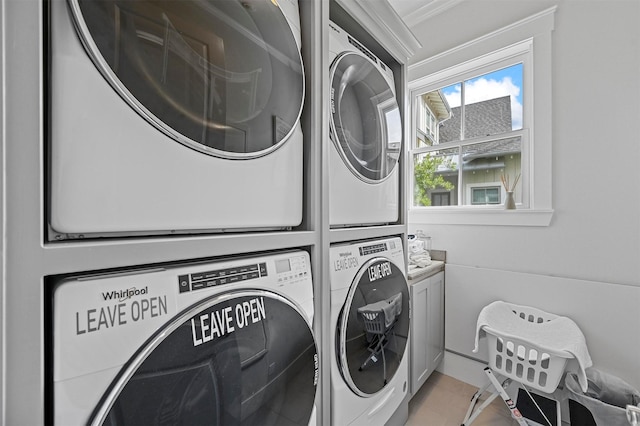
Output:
x=283 y=265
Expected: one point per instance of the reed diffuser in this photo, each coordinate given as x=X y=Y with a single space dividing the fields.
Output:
x=509 y=202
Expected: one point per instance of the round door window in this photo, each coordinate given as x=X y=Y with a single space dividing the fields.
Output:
x=224 y=77
x=365 y=122
x=242 y=358
x=373 y=327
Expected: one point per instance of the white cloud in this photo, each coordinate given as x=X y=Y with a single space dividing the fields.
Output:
x=484 y=89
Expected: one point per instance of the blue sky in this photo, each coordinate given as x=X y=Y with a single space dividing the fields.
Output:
x=500 y=83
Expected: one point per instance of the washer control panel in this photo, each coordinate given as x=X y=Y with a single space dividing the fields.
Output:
x=292 y=268
x=285 y=269
x=236 y=274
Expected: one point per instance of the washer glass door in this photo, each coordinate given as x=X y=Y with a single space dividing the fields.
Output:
x=373 y=327
x=240 y=358
x=365 y=122
x=224 y=77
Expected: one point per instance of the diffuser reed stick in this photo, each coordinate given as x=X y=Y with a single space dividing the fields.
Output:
x=505 y=182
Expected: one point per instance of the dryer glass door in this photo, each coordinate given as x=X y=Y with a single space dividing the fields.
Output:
x=224 y=77
x=373 y=327
x=365 y=122
x=241 y=358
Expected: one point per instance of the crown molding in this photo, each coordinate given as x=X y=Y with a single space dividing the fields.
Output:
x=385 y=25
x=428 y=11
x=541 y=22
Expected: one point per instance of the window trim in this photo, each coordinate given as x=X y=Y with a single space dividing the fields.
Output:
x=489 y=50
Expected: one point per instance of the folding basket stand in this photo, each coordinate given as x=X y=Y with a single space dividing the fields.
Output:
x=520 y=361
x=379 y=318
x=499 y=391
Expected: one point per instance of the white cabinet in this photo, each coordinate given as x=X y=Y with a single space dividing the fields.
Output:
x=427 y=328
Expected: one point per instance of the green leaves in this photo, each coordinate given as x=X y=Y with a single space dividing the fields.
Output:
x=427 y=178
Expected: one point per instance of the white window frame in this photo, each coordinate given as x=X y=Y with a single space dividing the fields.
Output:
x=527 y=41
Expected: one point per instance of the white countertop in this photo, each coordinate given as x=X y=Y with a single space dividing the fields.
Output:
x=416 y=273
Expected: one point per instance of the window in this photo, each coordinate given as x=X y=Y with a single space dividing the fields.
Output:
x=479 y=123
x=474 y=121
x=488 y=195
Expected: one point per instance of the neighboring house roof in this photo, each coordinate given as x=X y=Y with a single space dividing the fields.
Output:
x=438 y=105
x=484 y=118
x=491 y=149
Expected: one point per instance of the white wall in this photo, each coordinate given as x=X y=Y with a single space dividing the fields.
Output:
x=611 y=329
x=593 y=241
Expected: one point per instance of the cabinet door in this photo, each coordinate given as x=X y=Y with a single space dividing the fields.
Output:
x=419 y=334
x=427 y=328
x=435 y=315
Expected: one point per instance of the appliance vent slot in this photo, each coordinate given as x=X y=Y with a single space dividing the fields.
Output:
x=363 y=50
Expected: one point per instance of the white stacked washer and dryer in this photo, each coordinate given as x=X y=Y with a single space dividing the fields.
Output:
x=169 y=117
x=369 y=292
x=366 y=135
x=369 y=331
x=178 y=117
x=211 y=342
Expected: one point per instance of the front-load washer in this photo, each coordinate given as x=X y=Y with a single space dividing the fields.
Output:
x=369 y=331
x=366 y=135
x=226 y=342
x=174 y=116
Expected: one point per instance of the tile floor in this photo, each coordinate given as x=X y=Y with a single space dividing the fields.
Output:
x=443 y=401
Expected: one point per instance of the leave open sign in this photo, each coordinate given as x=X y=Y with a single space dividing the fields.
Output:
x=217 y=323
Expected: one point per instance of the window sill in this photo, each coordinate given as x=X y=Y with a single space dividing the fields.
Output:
x=471 y=216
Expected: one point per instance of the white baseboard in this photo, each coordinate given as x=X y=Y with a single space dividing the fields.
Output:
x=463 y=369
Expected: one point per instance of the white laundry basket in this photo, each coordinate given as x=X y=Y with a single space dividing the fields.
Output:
x=522 y=361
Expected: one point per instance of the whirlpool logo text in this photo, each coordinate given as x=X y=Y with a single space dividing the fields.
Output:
x=122 y=295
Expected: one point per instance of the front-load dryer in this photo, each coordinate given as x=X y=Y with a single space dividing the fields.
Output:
x=366 y=135
x=174 y=116
x=369 y=331
x=226 y=342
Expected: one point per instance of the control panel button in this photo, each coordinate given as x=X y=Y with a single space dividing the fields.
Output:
x=183 y=284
